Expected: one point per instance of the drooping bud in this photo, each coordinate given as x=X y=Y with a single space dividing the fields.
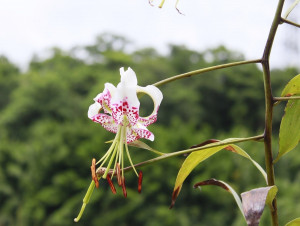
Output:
x=140 y=181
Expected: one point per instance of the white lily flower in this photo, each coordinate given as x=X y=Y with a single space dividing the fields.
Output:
x=121 y=107
x=120 y=115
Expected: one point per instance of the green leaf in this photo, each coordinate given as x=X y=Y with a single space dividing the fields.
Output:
x=292 y=88
x=254 y=202
x=197 y=157
x=294 y=222
x=289 y=134
x=290 y=9
x=225 y=186
x=140 y=144
x=244 y=154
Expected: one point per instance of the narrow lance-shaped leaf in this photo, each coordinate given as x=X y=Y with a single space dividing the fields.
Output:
x=295 y=222
x=199 y=156
x=289 y=134
x=225 y=186
x=254 y=202
x=290 y=9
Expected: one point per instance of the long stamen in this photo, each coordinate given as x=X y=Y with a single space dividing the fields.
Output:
x=121 y=147
x=111 y=148
x=110 y=162
x=128 y=155
x=124 y=140
x=115 y=167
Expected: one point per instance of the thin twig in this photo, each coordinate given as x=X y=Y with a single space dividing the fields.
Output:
x=290 y=22
x=286 y=98
x=203 y=70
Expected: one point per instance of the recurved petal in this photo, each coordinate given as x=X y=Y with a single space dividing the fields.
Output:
x=135 y=133
x=107 y=122
x=104 y=98
x=143 y=132
x=157 y=96
x=94 y=110
x=131 y=135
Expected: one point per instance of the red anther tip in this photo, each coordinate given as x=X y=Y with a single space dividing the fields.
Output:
x=119 y=175
x=124 y=187
x=93 y=171
x=140 y=181
x=112 y=187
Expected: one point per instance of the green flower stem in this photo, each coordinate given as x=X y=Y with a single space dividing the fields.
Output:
x=203 y=70
x=187 y=151
x=269 y=102
x=286 y=98
x=290 y=22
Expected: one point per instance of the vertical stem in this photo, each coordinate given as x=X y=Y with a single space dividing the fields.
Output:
x=269 y=106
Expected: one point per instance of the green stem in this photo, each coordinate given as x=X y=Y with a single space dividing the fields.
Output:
x=187 y=151
x=290 y=22
x=203 y=70
x=286 y=98
x=269 y=102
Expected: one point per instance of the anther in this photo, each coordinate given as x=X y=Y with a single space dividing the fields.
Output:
x=119 y=174
x=124 y=187
x=112 y=187
x=93 y=171
x=140 y=181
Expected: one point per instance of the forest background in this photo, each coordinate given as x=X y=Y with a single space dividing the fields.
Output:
x=47 y=140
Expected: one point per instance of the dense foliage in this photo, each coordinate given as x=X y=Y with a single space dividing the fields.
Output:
x=47 y=141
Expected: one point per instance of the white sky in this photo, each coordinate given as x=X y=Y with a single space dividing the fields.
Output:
x=33 y=26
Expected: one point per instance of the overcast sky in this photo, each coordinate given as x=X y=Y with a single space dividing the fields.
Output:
x=33 y=26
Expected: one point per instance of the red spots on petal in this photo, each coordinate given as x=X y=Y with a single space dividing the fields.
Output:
x=112 y=187
x=140 y=181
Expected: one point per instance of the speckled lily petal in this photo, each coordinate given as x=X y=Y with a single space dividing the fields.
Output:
x=107 y=122
x=143 y=132
x=125 y=101
x=131 y=135
x=104 y=98
x=94 y=109
x=157 y=97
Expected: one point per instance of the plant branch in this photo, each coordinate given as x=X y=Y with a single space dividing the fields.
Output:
x=269 y=102
x=187 y=151
x=290 y=22
x=286 y=98
x=203 y=70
